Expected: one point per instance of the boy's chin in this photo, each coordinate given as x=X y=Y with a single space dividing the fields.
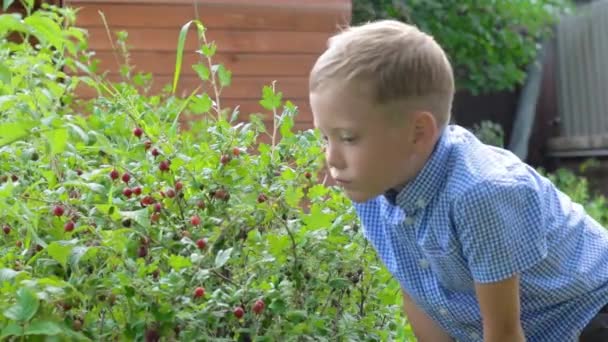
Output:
x=359 y=197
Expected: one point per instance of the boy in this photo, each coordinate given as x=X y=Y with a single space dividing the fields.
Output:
x=484 y=248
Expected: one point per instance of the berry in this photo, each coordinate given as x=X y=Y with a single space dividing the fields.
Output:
x=6 y=229
x=127 y=192
x=137 y=191
x=179 y=186
x=152 y=335
x=308 y=175
x=262 y=198
x=148 y=200
x=195 y=220
x=170 y=193
x=157 y=207
x=39 y=248
x=58 y=211
x=236 y=151
x=3 y=179
x=114 y=174
x=200 y=204
x=220 y=194
x=155 y=217
x=19 y=244
x=147 y=144
x=239 y=312
x=69 y=226
x=164 y=166
x=225 y=159
x=201 y=243
x=138 y=132
x=155 y=153
x=77 y=325
x=199 y=292
x=126 y=178
x=258 y=307
x=14 y=178
x=126 y=223
x=79 y=172
x=142 y=251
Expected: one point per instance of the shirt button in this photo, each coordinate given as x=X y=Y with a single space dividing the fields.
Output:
x=475 y=335
x=421 y=203
x=409 y=221
x=443 y=311
x=423 y=263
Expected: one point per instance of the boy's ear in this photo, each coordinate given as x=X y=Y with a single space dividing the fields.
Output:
x=425 y=127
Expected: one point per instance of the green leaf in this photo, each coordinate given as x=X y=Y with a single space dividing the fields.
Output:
x=5 y=74
x=13 y=131
x=139 y=216
x=12 y=329
x=339 y=283
x=224 y=75
x=47 y=328
x=278 y=306
x=202 y=71
x=60 y=252
x=209 y=50
x=277 y=245
x=297 y=316
x=178 y=262
x=6 y=4
x=222 y=257
x=26 y=306
x=270 y=100
x=293 y=196
x=46 y=30
x=181 y=42
x=201 y=104
x=58 y=139
x=7 y=274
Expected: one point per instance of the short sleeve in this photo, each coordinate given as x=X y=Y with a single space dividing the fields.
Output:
x=501 y=229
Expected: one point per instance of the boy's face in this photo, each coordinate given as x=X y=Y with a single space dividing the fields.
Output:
x=367 y=152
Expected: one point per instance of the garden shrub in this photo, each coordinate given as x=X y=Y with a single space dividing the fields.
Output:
x=119 y=224
x=490 y=43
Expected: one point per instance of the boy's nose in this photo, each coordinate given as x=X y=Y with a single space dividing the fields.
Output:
x=334 y=158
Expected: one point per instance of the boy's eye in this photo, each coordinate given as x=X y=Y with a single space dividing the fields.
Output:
x=348 y=139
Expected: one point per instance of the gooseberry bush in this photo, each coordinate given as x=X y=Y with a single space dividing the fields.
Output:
x=141 y=216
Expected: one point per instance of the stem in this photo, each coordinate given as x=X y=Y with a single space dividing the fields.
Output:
x=103 y=316
x=223 y=277
x=274 y=121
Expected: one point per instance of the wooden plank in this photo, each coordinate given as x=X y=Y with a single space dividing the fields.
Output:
x=241 y=87
x=345 y=5
x=243 y=64
x=165 y=15
x=227 y=41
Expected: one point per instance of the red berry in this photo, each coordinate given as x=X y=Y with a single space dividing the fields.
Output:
x=147 y=144
x=220 y=194
x=236 y=151
x=195 y=220
x=239 y=312
x=170 y=193
x=6 y=229
x=14 y=178
x=138 y=132
x=308 y=175
x=126 y=178
x=127 y=192
x=179 y=186
x=69 y=226
x=199 y=292
x=137 y=191
x=155 y=153
x=225 y=159
x=155 y=217
x=79 y=172
x=19 y=244
x=258 y=307
x=164 y=165
x=158 y=207
x=147 y=201
x=142 y=251
x=114 y=174
x=58 y=211
x=200 y=204
x=201 y=243
x=262 y=198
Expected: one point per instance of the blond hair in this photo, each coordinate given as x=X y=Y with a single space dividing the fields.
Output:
x=396 y=60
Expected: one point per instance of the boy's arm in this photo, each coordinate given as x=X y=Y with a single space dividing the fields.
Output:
x=500 y=311
x=425 y=329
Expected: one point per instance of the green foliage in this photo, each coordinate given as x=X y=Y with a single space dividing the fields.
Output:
x=489 y=133
x=490 y=43
x=226 y=205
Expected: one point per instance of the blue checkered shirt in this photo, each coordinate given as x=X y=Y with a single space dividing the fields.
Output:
x=476 y=213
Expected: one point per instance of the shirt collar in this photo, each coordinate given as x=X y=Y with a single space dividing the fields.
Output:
x=418 y=193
